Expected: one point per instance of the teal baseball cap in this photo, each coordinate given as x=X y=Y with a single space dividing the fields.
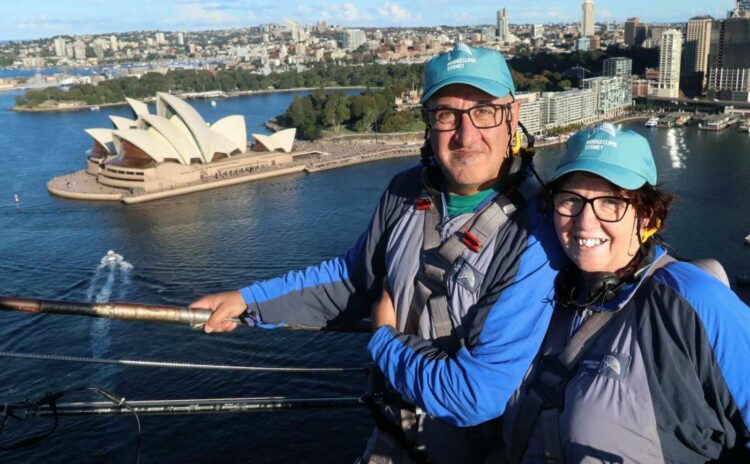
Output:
x=623 y=157
x=483 y=68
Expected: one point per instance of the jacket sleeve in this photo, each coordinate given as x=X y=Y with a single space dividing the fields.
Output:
x=720 y=347
x=474 y=384
x=334 y=293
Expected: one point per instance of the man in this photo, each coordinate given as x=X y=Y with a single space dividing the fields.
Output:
x=469 y=264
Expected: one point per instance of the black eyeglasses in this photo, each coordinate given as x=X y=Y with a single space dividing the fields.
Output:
x=606 y=208
x=483 y=116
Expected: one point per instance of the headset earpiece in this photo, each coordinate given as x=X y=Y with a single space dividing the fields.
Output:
x=601 y=291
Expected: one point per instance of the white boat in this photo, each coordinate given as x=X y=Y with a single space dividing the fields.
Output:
x=94 y=108
x=213 y=102
x=652 y=122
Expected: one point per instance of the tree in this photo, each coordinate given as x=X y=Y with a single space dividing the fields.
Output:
x=336 y=111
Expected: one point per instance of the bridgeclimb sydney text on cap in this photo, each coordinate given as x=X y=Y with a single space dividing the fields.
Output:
x=483 y=68
x=623 y=157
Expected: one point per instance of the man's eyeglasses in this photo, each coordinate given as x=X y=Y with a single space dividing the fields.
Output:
x=606 y=208
x=484 y=116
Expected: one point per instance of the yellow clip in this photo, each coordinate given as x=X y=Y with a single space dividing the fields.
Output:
x=516 y=149
x=646 y=234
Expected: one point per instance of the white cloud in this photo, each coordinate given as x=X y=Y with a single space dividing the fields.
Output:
x=396 y=12
x=209 y=13
x=346 y=13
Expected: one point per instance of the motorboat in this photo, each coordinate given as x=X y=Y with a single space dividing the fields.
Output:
x=652 y=122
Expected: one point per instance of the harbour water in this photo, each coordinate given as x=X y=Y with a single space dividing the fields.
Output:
x=178 y=249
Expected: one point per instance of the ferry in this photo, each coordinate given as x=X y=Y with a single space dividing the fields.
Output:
x=745 y=126
x=652 y=122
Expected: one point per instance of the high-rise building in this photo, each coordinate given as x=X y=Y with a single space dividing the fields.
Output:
x=742 y=5
x=352 y=39
x=98 y=47
x=79 y=50
x=60 y=47
x=618 y=66
x=670 y=55
x=695 y=58
x=503 y=29
x=587 y=20
x=180 y=39
x=728 y=60
x=537 y=30
x=113 y=43
x=160 y=39
x=631 y=29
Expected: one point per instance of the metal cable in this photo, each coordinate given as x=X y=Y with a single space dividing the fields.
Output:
x=180 y=365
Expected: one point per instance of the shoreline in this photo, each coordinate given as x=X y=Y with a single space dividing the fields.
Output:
x=239 y=93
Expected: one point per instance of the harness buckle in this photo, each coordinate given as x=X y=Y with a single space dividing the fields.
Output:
x=423 y=203
x=471 y=241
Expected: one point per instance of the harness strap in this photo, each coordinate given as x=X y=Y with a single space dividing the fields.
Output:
x=546 y=394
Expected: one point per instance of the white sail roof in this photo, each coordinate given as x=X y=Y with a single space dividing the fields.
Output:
x=233 y=128
x=182 y=143
x=123 y=123
x=155 y=147
x=190 y=117
x=138 y=107
x=104 y=137
x=281 y=140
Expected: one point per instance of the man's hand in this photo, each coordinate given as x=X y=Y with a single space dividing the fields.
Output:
x=225 y=306
x=383 y=311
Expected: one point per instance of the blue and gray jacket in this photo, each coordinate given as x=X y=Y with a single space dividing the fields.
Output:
x=500 y=319
x=666 y=381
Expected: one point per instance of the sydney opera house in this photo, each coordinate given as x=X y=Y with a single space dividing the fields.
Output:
x=171 y=152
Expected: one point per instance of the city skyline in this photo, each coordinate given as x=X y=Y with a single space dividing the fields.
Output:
x=29 y=21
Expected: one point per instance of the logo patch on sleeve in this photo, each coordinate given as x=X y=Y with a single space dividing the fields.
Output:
x=468 y=277
x=614 y=365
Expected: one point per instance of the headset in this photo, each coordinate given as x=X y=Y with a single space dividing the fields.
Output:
x=605 y=288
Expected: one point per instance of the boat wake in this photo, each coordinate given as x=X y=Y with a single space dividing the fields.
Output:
x=112 y=276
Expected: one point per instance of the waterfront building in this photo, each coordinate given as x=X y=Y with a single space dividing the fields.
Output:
x=670 y=55
x=612 y=94
x=532 y=109
x=587 y=19
x=695 y=59
x=623 y=68
x=729 y=61
x=172 y=151
x=60 y=47
x=570 y=107
x=503 y=27
x=352 y=39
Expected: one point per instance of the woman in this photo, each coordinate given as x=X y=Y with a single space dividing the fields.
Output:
x=646 y=358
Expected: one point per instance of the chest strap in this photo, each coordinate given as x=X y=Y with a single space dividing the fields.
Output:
x=545 y=396
x=438 y=260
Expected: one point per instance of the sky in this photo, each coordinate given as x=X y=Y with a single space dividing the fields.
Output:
x=33 y=19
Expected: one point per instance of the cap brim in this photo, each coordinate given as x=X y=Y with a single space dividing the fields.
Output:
x=485 y=85
x=620 y=177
